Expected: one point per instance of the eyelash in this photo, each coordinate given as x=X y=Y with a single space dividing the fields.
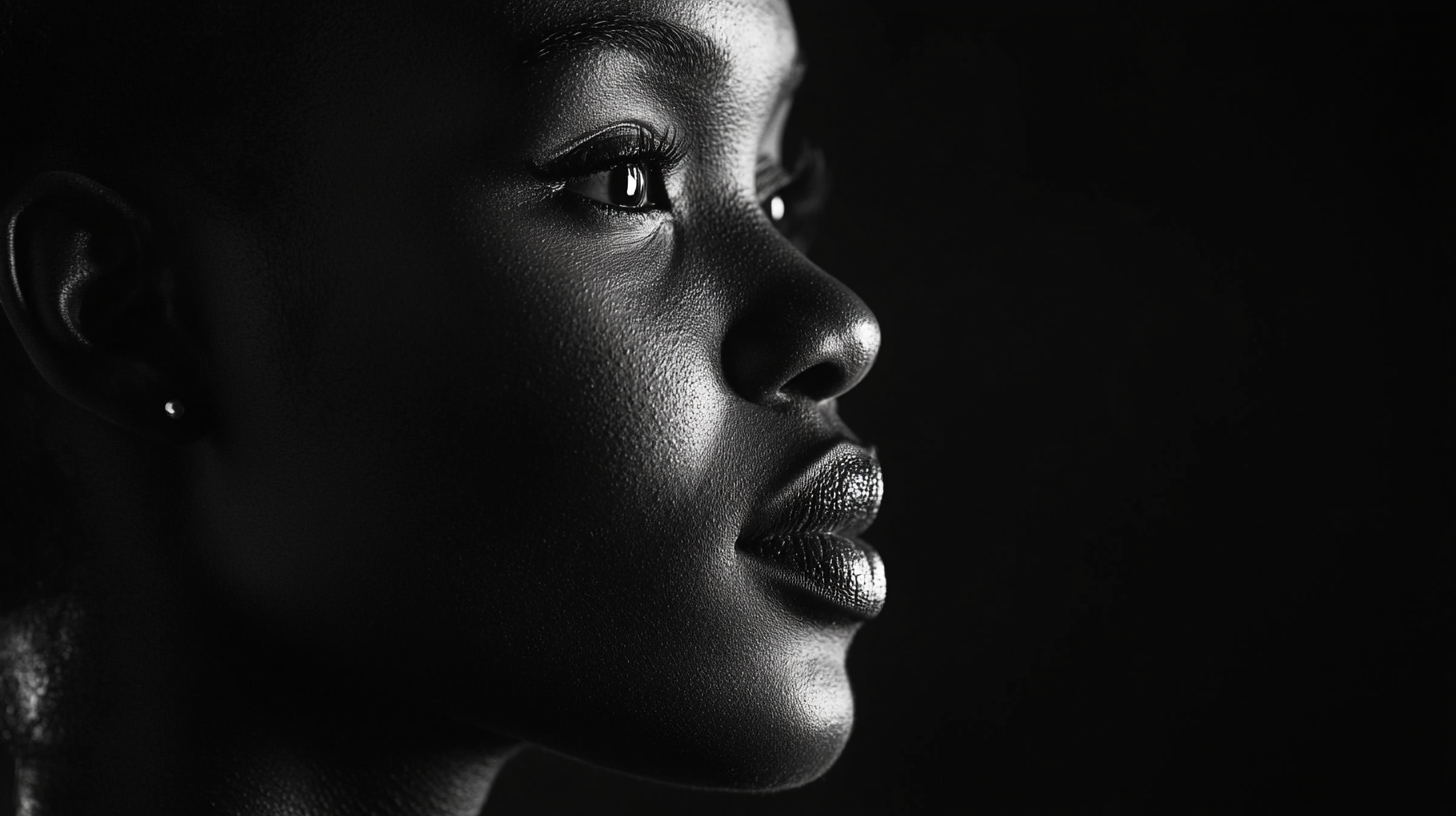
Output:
x=617 y=148
x=801 y=191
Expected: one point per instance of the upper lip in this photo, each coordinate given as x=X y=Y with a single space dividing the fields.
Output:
x=839 y=494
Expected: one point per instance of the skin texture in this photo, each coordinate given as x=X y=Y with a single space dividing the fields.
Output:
x=465 y=456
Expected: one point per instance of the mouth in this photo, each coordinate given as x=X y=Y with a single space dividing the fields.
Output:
x=811 y=539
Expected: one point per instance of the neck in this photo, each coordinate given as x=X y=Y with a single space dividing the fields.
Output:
x=148 y=707
x=135 y=694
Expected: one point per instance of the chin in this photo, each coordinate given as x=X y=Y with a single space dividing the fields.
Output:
x=756 y=766
x=825 y=718
x=788 y=770
x=757 y=742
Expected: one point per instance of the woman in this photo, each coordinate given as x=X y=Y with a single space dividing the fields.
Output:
x=397 y=386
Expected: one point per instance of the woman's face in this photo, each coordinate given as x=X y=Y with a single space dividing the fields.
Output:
x=522 y=402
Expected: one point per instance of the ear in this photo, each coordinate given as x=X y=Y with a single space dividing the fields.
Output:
x=91 y=296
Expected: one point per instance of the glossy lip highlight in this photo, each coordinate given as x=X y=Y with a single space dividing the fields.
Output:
x=811 y=540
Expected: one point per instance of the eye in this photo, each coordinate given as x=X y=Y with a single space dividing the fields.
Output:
x=637 y=187
x=793 y=200
x=776 y=207
x=623 y=168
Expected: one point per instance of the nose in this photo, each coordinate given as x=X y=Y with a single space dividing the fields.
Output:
x=800 y=334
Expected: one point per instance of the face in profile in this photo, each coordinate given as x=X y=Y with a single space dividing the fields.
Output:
x=517 y=404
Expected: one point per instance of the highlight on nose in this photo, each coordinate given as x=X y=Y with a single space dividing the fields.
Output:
x=816 y=347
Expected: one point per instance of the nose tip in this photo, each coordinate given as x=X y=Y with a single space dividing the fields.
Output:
x=809 y=342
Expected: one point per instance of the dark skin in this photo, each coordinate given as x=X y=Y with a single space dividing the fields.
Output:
x=491 y=495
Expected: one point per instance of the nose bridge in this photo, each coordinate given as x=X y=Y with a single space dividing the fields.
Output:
x=797 y=332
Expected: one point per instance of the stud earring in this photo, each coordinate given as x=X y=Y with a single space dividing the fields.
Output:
x=175 y=409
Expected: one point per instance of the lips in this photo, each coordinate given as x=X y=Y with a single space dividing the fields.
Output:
x=809 y=540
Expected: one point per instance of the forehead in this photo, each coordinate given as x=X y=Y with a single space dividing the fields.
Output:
x=380 y=83
x=757 y=31
x=471 y=51
x=511 y=34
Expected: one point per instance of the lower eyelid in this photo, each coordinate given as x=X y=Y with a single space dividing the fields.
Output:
x=610 y=209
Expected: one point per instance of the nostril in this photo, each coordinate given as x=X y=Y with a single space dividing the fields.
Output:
x=802 y=335
x=818 y=382
x=800 y=352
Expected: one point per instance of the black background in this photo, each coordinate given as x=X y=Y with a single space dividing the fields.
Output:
x=1163 y=405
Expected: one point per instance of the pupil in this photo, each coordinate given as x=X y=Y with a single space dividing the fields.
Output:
x=630 y=184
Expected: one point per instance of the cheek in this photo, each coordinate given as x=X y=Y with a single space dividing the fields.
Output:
x=444 y=419
x=523 y=481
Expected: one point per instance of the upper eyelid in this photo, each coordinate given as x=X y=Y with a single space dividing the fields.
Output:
x=647 y=141
x=639 y=143
x=773 y=178
x=770 y=176
x=571 y=147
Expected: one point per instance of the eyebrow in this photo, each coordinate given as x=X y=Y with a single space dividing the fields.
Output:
x=668 y=45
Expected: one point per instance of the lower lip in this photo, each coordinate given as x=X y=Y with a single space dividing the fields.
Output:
x=847 y=573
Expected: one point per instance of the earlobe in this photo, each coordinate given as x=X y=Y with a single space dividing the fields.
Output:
x=89 y=293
